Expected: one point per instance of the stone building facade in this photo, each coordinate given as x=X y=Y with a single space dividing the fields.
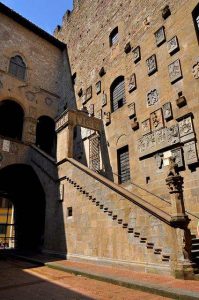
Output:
x=124 y=97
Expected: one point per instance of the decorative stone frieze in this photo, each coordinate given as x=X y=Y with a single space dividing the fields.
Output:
x=152 y=97
x=157 y=119
x=151 y=64
x=146 y=126
x=131 y=110
x=158 y=140
x=132 y=83
x=190 y=152
x=98 y=87
x=173 y=45
x=160 y=36
x=167 y=111
x=136 y=54
x=175 y=72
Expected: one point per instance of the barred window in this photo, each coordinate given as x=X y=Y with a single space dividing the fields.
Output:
x=117 y=92
x=195 y=15
x=123 y=164
x=17 y=67
x=114 y=37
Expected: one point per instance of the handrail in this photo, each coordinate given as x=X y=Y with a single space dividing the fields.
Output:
x=153 y=210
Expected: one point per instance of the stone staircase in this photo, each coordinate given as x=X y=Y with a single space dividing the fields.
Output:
x=106 y=207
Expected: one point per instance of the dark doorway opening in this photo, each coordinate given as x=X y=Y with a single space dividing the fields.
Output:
x=11 y=119
x=45 y=135
x=20 y=184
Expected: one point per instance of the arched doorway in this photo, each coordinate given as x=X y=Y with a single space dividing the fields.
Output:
x=11 y=119
x=20 y=184
x=45 y=135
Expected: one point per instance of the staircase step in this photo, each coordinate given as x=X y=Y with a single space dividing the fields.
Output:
x=150 y=245
x=157 y=251
x=119 y=221
x=114 y=217
x=143 y=240
x=110 y=213
x=94 y=200
x=101 y=206
x=125 y=225
x=97 y=203
x=90 y=197
x=165 y=257
x=136 y=234
x=130 y=230
x=105 y=209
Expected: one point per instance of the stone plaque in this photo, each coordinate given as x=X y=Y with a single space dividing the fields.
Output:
x=98 y=87
x=177 y=154
x=161 y=138
x=6 y=146
x=195 y=70
x=146 y=127
x=104 y=99
x=107 y=118
x=152 y=97
x=136 y=54
x=89 y=93
x=173 y=135
x=173 y=45
x=175 y=72
x=167 y=111
x=131 y=110
x=157 y=119
x=151 y=64
x=132 y=83
x=91 y=109
x=185 y=126
x=191 y=156
x=99 y=114
x=160 y=36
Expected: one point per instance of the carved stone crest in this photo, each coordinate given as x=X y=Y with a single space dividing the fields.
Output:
x=104 y=99
x=91 y=110
x=132 y=83
x=175 y=72
x=185 y=126
x=167 y=111
x=131 y=110
x=195 y=70
x=173 y=135
x=152 y=97
x=136 y=54
x=160 y=36
x=99 y=114
x=173 y=45
x=98 y=87
x=190 y=151
x=161 y=137
x=107 y=118
x=177 y=155
x=89 y=93
x=157 y=119
x=48 y=101
x=146 y=127
x=151 y=64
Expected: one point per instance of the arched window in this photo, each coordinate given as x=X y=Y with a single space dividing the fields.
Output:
x=17 y=67
x=11 y=119
x=45 y=135
x=117 y=92
x=114 y=37
x=195 y=15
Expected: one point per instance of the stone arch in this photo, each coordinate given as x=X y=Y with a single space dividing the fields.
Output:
x=121 y=140
x=20 y=184
x=11 y=119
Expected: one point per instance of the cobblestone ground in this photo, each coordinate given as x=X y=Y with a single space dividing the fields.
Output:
x=24 y=281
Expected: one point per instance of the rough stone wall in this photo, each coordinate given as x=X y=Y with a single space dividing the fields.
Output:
x=86 y=31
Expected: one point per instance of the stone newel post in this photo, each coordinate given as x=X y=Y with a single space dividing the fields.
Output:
x=183 y=267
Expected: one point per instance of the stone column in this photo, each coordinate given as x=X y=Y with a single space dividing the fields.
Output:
x=183 y=267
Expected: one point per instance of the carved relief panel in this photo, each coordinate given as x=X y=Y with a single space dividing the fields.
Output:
x=167 y=111
x=177 y=154
x=131 y=110
x=151 y=64
x=98 y=87
x=104 y=99
x=185 y=126
x=157 y=120
x=195 y=70
x=175 y=72
x=173 y=135
x=173 y=45
x=136 y=54
x=190 y=152
x=132 y=83
x=152 y=97
x=146 y=127
x=160 y=36
x=89 y=93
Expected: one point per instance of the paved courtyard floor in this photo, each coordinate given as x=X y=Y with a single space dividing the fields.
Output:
x=21 y=280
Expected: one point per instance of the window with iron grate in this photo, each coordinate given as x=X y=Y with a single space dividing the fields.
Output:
x=123 y=164
x=114 y=37
x=117 y=91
